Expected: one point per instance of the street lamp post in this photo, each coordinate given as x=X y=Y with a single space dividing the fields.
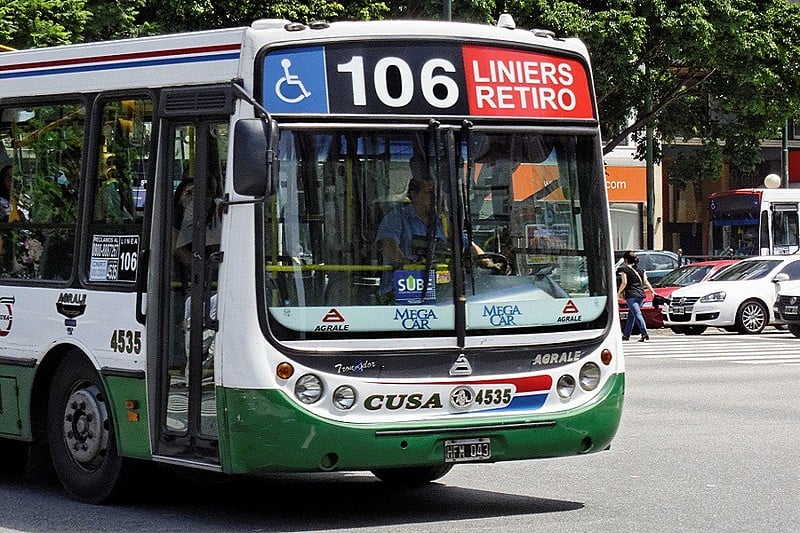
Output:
x=446 y=10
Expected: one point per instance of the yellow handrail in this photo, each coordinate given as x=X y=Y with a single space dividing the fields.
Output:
x=348 y=268
x=4 y=48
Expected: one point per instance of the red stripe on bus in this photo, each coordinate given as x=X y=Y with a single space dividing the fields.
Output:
x=122 y=57
x=528 y=384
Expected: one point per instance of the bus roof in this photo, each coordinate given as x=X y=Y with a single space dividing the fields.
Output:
x=163 y=60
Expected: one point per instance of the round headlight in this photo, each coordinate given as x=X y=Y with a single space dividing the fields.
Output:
x=589 y=376
x=308 y=388
x=344 y=397
x=565 y=386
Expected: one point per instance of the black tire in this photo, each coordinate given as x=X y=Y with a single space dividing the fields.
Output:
x=694 y=330
x=731 y=329
x=680 y=330
x=80 y=432
x=794 y=329
x=752 y=317
x=413 y=475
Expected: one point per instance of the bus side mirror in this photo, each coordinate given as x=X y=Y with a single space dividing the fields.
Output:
x=255 y=162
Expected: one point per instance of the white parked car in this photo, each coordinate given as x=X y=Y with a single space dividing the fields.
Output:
x=739 y=298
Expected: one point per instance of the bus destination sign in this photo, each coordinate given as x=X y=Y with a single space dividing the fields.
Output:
x=425 y=79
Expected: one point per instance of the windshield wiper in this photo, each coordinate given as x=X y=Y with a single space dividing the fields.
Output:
x=433 y=218
x=466 y=128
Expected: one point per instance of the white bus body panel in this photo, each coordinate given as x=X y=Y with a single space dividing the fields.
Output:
x=170 y=60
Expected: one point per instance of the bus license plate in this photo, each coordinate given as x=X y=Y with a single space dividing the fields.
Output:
x=677 y=310
x=465 y=450
x=623 y=315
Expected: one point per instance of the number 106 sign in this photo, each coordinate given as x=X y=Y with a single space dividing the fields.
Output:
x=425 y=79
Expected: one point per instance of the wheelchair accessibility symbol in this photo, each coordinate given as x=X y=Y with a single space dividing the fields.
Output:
x=291 y=84
x=295 y=81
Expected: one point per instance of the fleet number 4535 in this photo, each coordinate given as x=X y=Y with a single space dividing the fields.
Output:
x=126 y=341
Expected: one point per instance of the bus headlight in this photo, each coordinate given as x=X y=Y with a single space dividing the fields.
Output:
x=565 y=386
x=589 y=376
x=308 y=388
x=714 y=297
x=344 y=397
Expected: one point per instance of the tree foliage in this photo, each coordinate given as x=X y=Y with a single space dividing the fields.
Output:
x=721 y=71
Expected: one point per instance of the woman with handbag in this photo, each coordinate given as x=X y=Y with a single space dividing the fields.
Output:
x=631 y=288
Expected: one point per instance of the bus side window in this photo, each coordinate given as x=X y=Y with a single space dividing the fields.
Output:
x=119 y=180
x=43 y=143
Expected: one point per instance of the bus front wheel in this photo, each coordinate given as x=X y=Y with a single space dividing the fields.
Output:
x=412 y=475
x=80 y=432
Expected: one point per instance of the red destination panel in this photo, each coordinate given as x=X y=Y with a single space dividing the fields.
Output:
x=512 y=83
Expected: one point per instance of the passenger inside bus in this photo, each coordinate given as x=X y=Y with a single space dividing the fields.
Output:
x=112 y=206
x=183 y=228
x=9 y=208
x=9 y=212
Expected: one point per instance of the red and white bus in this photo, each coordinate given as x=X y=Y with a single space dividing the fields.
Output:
x=190 y=271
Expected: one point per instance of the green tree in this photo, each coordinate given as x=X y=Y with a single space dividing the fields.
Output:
x=722 y=71
x=189 y=15
x=38 y=23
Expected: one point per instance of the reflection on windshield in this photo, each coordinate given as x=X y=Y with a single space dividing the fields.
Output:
x=383 y=231
x=684 y=276
x=746 y=270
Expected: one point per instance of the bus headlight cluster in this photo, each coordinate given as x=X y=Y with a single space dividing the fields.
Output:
x=565 y=386
x=588 y=379
x=344 y=397
x=308 y=388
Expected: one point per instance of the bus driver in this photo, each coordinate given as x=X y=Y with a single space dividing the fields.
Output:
x=408 y=223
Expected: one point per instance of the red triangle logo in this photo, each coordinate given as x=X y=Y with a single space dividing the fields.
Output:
x=570 y=308
x=333 y=316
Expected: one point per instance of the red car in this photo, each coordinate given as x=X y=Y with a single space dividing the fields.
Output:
x=675 y=279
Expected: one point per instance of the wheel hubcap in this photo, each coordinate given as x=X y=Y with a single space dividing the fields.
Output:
x=85 y=427
x=753 y=317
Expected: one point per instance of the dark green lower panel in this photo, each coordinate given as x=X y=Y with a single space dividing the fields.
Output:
x=133 y=427
x=265 y=432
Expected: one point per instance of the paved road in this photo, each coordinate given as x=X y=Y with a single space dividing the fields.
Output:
x=771 y=347
x=708 y=442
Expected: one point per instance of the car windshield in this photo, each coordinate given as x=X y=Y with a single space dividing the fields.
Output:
x=683 y=276
x=746 y=270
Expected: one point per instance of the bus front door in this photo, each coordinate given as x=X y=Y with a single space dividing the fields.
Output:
x=188 y=315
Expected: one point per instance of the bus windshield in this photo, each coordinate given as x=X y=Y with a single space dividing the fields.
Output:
x=384 y=231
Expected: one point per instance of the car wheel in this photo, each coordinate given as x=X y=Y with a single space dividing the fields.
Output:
x=794 y=329
x=80 y=432
x=680 y=330
x=751 y=317
x=694 y=330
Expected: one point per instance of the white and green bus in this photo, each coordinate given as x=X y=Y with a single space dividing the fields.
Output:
x=194 y=267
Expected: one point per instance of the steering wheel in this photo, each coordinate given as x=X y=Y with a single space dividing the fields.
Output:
x=500 y=264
